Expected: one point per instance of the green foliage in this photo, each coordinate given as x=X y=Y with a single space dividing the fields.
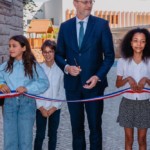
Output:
x=29 y=5
x=29 y=8
x=52 y=35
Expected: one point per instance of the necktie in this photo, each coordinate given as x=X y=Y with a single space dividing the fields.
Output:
x=81 y=33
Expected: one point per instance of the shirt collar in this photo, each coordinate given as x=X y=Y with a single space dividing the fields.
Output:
x=84 y=20
x=53 y=65
x=18 y=62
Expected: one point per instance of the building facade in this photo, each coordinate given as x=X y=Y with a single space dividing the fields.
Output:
x=59 y=11
x=11 y=23
x=119 y=19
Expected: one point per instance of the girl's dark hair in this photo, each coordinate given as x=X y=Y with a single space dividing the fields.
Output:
x=50 y=44
x=27 y=58
x=126 y=49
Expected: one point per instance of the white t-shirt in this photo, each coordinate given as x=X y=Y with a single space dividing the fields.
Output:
x=128 y=68
x=56 y=89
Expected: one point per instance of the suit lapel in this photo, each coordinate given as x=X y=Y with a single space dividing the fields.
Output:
x=74 y=36
x=89 y=28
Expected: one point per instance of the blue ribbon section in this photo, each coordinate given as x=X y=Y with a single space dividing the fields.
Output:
x=106 y=96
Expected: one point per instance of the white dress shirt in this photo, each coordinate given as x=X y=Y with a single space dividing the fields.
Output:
x=128 y=68
x=56 y=89
x=85 y=21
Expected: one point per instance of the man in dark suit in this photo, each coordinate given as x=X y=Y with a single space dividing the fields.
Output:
x=85 y=53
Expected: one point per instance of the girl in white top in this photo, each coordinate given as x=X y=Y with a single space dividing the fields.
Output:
x=133 y=70
x=49 y=110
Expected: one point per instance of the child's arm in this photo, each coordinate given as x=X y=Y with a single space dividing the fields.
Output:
x=61 y=92
x=4 y=88
x=121 y=82
x=39 y=84
x=143 y=82
x=40 y=106
x=148 y=81
x=60 y=95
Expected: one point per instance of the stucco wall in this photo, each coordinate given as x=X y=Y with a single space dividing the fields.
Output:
x=11 y=14
x=53 y=9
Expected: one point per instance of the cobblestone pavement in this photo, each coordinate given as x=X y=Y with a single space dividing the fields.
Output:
x=113 y=134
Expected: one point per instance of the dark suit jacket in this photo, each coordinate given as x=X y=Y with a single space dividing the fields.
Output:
x=95 y=57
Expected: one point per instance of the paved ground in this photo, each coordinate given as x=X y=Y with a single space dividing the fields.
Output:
x=113 y=134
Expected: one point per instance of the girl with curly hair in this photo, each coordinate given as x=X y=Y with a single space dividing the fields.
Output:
x=133 y=70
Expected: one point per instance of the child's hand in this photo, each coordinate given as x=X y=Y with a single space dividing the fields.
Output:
x=21 y=89
x=142 y=83
x=133 y=84
x=51 y=111
x=43 y=111
x=4 y=88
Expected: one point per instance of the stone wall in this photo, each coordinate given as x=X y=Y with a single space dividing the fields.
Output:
x=11 y=23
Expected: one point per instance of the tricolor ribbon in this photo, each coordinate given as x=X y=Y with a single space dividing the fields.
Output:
x=8 y=95
x=106 y=96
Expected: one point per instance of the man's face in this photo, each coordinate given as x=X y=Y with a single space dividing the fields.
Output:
x=83 y=8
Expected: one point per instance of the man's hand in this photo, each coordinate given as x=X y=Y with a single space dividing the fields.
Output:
x=4 y=88
x=91 y=82
x=73 y=70
x=21 y=89
x=51 y=111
